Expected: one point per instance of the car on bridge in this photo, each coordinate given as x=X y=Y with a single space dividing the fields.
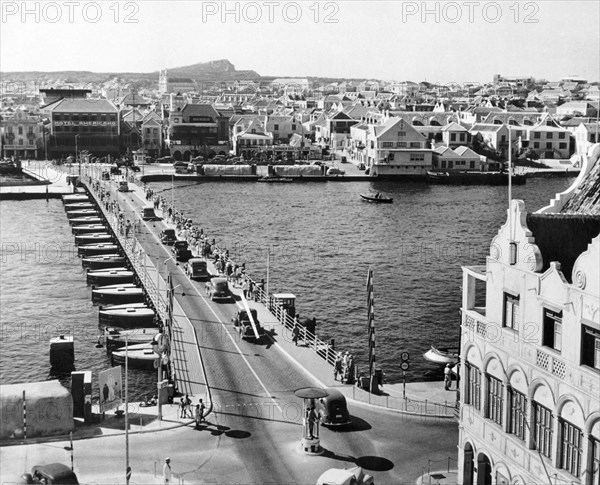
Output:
x=51 y=473
x=182 y=251
x=241 y=322
x=218 y=289
x=333 y=409
x=167 y=236
x=197 y=269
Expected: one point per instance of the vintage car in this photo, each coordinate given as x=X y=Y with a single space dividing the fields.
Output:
x=115 y=170
x=105 y=175
x=335 y=171
x=148 y=213
x=241 y=322
x=345 y=476
x=123 y=186
x=52 y=473
x=218 y=289
x=182 y=251
x=167 y=236
x=333 y=409
x=197 y=269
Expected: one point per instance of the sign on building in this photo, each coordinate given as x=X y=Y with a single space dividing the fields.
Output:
x=111 y=387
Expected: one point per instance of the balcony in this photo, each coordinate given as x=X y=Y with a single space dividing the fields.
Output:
x=475 y=323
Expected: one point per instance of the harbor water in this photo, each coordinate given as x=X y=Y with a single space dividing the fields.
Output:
x=321 y=239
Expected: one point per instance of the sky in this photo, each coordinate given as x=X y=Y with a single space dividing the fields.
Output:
x=436 y=41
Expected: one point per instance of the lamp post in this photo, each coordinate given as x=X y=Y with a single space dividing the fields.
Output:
x=76 y=154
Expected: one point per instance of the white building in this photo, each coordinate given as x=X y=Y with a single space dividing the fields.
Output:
x=530 y=346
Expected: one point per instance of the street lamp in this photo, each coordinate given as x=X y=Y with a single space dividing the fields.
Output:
x=76 y=154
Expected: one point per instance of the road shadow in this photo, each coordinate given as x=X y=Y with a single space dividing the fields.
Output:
x=375 y=463
x=356 y=424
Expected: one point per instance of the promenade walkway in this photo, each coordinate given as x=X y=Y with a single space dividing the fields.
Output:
x=54 y=183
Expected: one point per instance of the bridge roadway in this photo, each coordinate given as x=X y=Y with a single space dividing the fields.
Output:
x=253 y=435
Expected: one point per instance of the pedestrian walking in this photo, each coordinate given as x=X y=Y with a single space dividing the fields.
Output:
x=197 y=415
x=188 y=407
x=245 y=288
x=295 y=332
x=447 y=377
x=182 y=408
x=202 y=409
x=337 y=367
x=167 y=471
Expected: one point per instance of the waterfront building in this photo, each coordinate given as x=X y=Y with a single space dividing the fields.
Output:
x=83 y=124
x=530 y=345
x=195 y=129
x=548 y=139
x=152 y=134
x=251 y=139
x=282 y=127
x=586 y=134
x=22 y=135
x=455 y=135
x=459 y=159
x=50 y=95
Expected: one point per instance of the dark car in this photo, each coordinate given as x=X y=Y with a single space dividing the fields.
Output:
x=56 y=473
x=197 y=269
x=218 y=289
x=115 y=171
x=333 y=409
x=167 y=236
x=182 y=251
x=241 y=322
x=133 y=168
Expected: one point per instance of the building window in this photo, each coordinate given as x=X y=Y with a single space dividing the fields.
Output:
x=472 y=164
x=391 y=157
x=415 y=144
x=30 y=129
x=536 y=144
x=511 y=312
x=402 y=133
x=518 y=414
x=20 y=141
x=293 y=127
x=542 y=429
x=590 y=347
x=552 y=331
x=549 y=136
x=549 y=145
x=275 y=127
x=473 y=386
x=494 y=399
x=401 y=144
x=562 y=146
x=595 y=459
x=387 y=144
x=536 y=134
x=417 y=157
x=450 y=164
x=561 y=135
x=452 y=136
x=570 y=448
x=20 y=130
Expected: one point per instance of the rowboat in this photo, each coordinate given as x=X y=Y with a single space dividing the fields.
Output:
x=377 y=200
x=441 y=356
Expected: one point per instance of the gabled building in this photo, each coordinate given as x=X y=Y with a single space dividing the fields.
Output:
x=454 y=135
x=252 y=139
x=22 y=135
x=530 y=345
x=548 y=139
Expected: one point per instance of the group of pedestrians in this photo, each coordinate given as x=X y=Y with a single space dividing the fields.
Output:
x=344 y=367
x=185 y=410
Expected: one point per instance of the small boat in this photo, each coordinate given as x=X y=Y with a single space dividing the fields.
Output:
x=103 y=261
x=110 y=277
x=275 y=180
x=87 y=228
x=474 y=178
x=116 y=337
x=82 y=213
x=74 y=198
x=128 y=317
x=119 y=294
x=377 y=200
x=79 y=206
x=85 y=220
x=92 y=238
x=140 y=356
x=96 y=249
x=442 y=356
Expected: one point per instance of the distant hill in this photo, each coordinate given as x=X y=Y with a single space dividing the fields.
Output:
x=219 y=70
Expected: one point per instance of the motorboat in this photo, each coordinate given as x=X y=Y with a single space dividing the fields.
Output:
x=275 y=180
x=377 y=199
x=76 y=221
x=110 y=276
x=442 y=356
x=82 y=213
x=127 y=317
x=96 y=249
x=87 y=228
x=79 y=206
x=104 y=261
x=118 y=294
x=140 y=356
x=117 y=337
x=93 y=237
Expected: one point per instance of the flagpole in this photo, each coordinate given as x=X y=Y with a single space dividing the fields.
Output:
x=509 y=182
x=127 y=474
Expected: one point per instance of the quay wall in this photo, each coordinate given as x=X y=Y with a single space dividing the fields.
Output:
x=49 y=410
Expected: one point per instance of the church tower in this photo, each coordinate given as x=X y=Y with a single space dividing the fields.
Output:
x=162 y=82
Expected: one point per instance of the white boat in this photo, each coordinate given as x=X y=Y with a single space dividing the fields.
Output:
x=110 y=276
x=96 y=249
x=76 y=221
x=93 y=237
x=103 y=261
x=127 y=317
x=82 y=213
x=88 y=228
x=118 y=294
x=73 y=198
x=78 y=206
x=140 y=356
x=442 y=356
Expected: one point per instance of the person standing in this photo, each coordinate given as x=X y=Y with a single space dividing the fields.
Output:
x=447 y=377
x=182 y=408
x=167 y=471
x=188 y=407
x=337 y=367
x=312 y=420
x=202 y=409
x=197 y=416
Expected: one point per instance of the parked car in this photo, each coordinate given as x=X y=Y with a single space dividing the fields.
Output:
x=241 y=322
x=197 y=269
x=344 y=160
x=105 y=175
x=134 y=168
x=115 y=171
x=333 y=409
x=361 y=166
x=345 y=476
x=123 y=186
x=167 y=236
x=218 y=289
x=182 y=251
x=55 y=473
x=335 y=171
